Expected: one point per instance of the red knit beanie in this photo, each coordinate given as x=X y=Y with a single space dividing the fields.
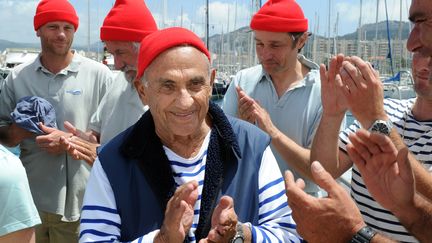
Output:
x=280 y=16
x=128 y=20
x=162 y=40
x=55 y=10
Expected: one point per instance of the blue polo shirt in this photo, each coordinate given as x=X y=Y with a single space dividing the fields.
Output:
x=296 y=113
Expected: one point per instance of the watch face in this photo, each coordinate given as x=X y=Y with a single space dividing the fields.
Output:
x=381 y=127
x=238 y=240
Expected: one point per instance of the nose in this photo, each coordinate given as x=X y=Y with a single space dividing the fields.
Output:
x=118 y=62
x=184 y=99
x=413 y=42
x=61 y=33
x=265 y=53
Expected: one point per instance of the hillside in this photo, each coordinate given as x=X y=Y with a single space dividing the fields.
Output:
x=240 y=38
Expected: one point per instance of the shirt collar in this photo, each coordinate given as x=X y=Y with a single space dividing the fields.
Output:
x=72 y=67
x=309 y=79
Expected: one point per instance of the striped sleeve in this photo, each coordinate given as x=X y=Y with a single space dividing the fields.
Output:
x=100 y=221
x=275 y=223
x=343 y=135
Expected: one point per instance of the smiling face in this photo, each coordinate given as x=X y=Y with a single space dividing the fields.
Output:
x=177 y=90
x=56 y=37
x=125 y=57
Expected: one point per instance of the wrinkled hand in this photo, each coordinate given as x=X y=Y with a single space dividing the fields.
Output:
x=80 y=149
x=179 y=214
x=332 y=219
x=363 y=91
x=246 y=106
x=51 y=141
x=224 y=222
x=332 y=96
x=250 y=110
x=386 y=172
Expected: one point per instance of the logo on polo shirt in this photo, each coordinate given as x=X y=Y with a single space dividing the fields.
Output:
x=74 y=92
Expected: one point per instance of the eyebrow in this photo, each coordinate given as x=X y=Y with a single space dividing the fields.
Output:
x=416 y=15
x=197 y=78
x=193 y=79
x=271 y=42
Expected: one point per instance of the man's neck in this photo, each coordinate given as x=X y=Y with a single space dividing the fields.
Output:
x=289 y=78
x=422 y=109
x=56 y=63
x=187 y=146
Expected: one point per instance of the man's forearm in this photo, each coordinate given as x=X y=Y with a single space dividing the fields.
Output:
x=379 y=238
x=325 y=147
x=423 y=178
x=417 y=218
x=295 y=155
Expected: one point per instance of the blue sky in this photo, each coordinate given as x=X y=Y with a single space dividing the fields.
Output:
x=16 y=16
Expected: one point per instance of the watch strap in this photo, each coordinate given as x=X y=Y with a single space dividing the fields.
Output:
x=364 y=235
x=239 y=233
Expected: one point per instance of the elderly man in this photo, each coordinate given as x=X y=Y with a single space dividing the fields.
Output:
x=282 y=94
x=184 y=171
x=74 y=85
x=127 y=23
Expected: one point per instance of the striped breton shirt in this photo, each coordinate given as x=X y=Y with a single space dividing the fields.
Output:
x=418 y=138
x=275 y=221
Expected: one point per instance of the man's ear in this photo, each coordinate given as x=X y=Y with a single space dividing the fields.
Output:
x=212 y=75
x=212 y=78
x=38 y=32
x=139 y=86
x=302 y=40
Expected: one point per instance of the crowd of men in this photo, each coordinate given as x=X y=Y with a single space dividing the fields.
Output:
x=146 y=156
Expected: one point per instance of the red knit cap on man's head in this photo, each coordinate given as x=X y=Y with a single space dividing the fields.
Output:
x=280 y=16
x=128 y=20
x=157 y=42
x=55 y=10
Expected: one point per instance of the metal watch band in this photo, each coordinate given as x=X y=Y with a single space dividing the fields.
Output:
x=364 y=235
x=239 y=236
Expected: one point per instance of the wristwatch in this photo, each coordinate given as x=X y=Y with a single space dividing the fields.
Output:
x=364 y=235
x=381 y=126
x=239 y=236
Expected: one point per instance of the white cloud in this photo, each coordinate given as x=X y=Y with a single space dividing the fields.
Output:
x=16 y=18
x=218 y=18
x=223 y=13
x=351 y=12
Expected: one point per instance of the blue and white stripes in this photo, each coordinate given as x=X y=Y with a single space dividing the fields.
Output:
x=418 y=137
x=101 y=222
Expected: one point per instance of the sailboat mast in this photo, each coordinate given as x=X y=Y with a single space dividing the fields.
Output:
x=336 y=26
x=165 y=12
x=359 y=31
x=315 y=34
x=328 y=31
x=400 y=34
x=181 y=16
x=207 y=24
x=88 y=28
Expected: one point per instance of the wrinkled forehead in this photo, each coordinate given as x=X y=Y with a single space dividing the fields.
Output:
x=113 y=46
x=180 y=57
x=420 y=9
